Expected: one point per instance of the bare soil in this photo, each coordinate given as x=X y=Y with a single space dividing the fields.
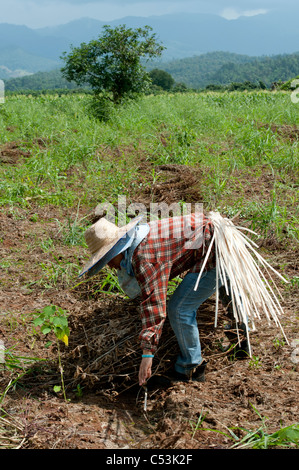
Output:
x=236 y=393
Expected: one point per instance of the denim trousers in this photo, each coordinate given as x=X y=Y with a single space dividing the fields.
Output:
x=182 y=308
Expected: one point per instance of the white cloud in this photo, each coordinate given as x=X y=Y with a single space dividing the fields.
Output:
x=40 y=13
x=233 y=14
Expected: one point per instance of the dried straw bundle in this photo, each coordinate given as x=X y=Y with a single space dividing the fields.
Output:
x=105 y=348
x=238 y=261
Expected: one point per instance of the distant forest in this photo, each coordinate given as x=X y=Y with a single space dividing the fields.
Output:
x=198 y=72
x=222 y=68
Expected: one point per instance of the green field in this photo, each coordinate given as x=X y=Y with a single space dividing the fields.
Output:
x=237 y=153
x=227 y=136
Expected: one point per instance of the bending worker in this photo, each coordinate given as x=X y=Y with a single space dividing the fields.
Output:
x=146 y=256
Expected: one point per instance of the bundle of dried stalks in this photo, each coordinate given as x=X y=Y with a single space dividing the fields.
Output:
x=11 y=432
x=105 y=349
x=238 y=261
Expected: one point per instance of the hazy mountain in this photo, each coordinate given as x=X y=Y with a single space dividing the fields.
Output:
x=31 y=41
x=187 y=34
x=75 y=32
x=18 y=62
x=184 y=35
x=219 y=68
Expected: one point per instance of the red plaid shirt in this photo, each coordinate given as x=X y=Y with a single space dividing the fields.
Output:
x=173 y=246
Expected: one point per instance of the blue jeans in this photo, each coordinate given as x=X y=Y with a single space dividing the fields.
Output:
x=182 y=308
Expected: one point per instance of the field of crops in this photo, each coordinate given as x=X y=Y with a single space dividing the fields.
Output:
x=236 y=153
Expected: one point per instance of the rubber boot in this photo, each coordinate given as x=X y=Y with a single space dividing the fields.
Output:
x=198 y=374
x=238 y=347
x=195 y=375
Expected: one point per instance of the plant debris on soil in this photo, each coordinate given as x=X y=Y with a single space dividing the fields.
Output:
x=106 y=406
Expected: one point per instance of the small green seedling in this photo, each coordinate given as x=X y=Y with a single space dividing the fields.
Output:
x=255 y=362
x=54 y=319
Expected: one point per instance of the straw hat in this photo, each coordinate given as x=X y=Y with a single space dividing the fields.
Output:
x=105 y=241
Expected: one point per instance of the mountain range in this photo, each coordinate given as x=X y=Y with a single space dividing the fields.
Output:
x=26 y=51
x=212 y=68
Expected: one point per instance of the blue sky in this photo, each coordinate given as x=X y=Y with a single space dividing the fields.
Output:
x=41 y=13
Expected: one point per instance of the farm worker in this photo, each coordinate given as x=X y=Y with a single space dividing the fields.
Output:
x=146 y=256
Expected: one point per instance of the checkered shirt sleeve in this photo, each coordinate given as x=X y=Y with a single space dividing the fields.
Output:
x=173 y=246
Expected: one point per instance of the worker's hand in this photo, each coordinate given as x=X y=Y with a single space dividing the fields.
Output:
x=145 y=369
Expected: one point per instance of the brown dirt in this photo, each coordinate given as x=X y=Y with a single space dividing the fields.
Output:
x=12 y=153
x=236 y=394
x=16 y=151
x=284 y=131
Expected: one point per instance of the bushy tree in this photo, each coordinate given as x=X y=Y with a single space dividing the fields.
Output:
x=111 y=64
x=161 y=79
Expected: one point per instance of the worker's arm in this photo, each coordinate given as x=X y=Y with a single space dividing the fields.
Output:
x=153 y=314
x=145 y=369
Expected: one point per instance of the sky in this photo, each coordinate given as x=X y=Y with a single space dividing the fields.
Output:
x=42 y=13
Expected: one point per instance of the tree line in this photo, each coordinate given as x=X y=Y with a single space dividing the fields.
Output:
x=113 y=69
x=223 y=68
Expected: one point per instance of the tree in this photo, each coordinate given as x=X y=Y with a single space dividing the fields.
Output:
x=111 y=64
x=161 y=79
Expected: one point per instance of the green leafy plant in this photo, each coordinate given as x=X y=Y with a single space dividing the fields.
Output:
x=47 y=244
x=54 y=319
x=72 y=232
x=56 y=271
x=17 y=366
x=255 y=362
x=196 y=426
x=262 y=439
x=278 y=343
x=79 y=391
